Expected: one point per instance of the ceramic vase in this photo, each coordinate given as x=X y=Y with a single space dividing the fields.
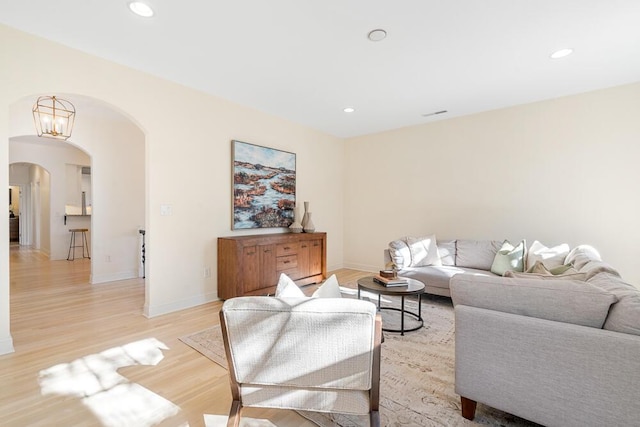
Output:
x=305 y=218
x=309 y=226
x=296 y=227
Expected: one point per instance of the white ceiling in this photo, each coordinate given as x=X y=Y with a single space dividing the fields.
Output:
x=307 y=60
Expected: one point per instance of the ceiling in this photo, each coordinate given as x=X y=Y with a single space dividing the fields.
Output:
x=307 y=60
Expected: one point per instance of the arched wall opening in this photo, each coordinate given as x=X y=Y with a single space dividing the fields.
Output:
x=112 y=146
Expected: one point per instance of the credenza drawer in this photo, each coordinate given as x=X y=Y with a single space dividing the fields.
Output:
x=286 y=262
x=284 y=249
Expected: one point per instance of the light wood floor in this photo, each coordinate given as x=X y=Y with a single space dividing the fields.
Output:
x=57 y=318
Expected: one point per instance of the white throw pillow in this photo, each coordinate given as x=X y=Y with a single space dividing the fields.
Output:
x=424 y=251
x=550 y=257
x=287 y=288
x=329 y=289
x=399 y=253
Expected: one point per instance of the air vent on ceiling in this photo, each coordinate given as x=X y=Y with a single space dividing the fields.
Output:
x=434 y=113
x=86 y=170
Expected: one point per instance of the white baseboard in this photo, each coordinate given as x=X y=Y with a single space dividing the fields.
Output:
x=6 y=345
x=158 y=310
x=112 y=277
x=362 y=267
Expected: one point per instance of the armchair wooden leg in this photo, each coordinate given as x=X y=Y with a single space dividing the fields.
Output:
x=234 y=414
x=468 y=408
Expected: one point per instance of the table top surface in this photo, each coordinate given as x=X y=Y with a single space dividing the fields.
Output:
x=414 y=287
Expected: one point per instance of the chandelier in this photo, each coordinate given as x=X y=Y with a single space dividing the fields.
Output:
x=53 y=117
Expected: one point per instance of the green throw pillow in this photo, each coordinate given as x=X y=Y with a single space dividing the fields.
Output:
x=509 y=258
x=561 y=269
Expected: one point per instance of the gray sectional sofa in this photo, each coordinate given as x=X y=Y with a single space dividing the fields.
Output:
x=551 y=349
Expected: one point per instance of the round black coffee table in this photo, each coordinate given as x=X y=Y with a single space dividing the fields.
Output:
x=414 y=287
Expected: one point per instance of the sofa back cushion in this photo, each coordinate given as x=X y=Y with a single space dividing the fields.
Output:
x=624 y=316
x=567 y=301
x=476 y=253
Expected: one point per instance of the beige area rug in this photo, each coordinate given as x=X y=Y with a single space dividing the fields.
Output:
x=417 y=374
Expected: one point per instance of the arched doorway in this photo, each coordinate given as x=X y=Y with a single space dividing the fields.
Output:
x=110 y=145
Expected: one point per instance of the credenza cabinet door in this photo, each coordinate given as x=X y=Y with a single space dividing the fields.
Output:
x=268 y=276
x=315 y=257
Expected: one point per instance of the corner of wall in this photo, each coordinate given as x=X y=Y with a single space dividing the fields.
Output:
x=6 y=345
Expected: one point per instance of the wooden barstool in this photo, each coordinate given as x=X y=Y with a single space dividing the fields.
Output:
x=83 y=243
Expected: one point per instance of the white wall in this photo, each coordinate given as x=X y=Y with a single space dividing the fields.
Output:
x=564 y=170
x=187 y=165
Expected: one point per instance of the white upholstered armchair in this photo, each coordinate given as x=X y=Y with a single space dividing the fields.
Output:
x=312 y=354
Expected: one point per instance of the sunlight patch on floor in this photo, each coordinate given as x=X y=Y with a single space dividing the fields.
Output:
x=112 y=398
x=221 y=421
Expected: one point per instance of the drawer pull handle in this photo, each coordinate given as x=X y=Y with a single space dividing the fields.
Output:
x=251 y=253
x=287 y=262
x=267 y=250
x=304 y=246
x=286 y=248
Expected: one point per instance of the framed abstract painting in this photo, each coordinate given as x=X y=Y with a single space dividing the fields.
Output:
x=264 y=186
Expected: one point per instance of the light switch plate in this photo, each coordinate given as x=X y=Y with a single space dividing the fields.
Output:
x=165 y=210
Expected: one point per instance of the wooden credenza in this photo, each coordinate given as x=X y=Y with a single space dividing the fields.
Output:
x=251 y=265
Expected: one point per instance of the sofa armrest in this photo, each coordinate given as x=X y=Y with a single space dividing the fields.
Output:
x=553 y=373
x=568 y=301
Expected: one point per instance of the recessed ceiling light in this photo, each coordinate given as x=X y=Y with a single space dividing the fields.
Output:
x=561 y=53
x=377 y=35
x=349 y=110
x=141 y=9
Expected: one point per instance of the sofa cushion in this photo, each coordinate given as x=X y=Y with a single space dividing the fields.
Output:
x=565 y=301
x=399 y=253
x=447 y=251
x=550 y=257
x=476 y=253
x=439 y=276
x=624 y=316
x=509 y=257
x=423 y=251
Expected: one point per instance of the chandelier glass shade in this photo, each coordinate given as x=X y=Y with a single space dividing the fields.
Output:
x=54 y=117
